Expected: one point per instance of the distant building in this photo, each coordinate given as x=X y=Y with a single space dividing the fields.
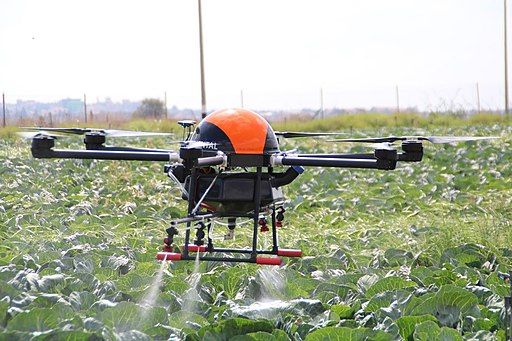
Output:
x=71 y=105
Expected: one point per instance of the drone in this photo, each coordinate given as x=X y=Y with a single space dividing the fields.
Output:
x=230 y=166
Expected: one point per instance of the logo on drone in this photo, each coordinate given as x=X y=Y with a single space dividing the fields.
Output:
x=209 y=145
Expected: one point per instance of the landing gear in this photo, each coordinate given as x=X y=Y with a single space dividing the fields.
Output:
x=201 y=220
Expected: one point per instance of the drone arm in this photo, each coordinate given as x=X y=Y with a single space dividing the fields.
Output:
x=334 y=162
x=130 y=149
x=104 y=155
x=341 y=156
x=42 y=148
x=408 y=156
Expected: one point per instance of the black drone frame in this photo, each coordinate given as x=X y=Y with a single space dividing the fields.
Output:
x=194 y=158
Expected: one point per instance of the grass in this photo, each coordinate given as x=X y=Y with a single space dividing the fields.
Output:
x=377 y=120
x=297 y=123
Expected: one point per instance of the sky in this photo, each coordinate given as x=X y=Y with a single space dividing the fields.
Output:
x=279 y=52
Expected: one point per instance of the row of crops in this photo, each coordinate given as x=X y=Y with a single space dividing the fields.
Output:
x=417 y=253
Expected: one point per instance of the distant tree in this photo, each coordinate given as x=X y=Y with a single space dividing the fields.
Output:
x=150 y=108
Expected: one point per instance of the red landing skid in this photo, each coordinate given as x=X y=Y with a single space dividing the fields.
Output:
x=262 y=260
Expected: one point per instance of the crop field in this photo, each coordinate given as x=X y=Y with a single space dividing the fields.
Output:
x=418 y=253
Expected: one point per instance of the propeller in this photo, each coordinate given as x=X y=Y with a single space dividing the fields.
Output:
x=295 y=134
x=41 y=133
x=106 y=132
x=432 y=139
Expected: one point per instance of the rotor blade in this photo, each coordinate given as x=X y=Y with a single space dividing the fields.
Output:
x=129 y=133
x=107 y=132
x=32 y=134
x=294 y=134
x=432 y=139
x=389 y=139
x=454 y=139
x=77 y=131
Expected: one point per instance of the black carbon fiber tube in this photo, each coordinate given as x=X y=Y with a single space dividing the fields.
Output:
x=341 y=163
x=210 y=161
x=100 y=155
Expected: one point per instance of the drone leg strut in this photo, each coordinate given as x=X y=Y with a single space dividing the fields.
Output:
x=275 y=245
x=191 y=203
x=209 y=246
x=257 y=202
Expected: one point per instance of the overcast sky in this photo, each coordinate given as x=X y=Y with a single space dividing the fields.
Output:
x=281 y=52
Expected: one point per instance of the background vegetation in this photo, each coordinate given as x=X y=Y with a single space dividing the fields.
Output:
x=419 y=252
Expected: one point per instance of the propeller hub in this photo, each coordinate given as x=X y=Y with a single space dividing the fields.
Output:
x=412 y=146
x=42 y=143
x=94 y=140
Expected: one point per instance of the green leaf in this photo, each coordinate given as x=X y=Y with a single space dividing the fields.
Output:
x=426 y=331
x=184 y=319
x=258 y=336
x=343 y=333
x=237 y=326
x=280 y=335
x=326 y=291
x=4 y=306
x=449 y=334
x=35 y=320
x=69 y=335
x=343 y=311
x=452 y=302
x=397 y=257
x=387 y=284
x=128 y=316
x=386 y=299
x=449 y=304
x=407 y=324
x=421 y=305
x=51 y=283
x=497 y=285
x=466 y=254
x=81 y=300
x=231 y=281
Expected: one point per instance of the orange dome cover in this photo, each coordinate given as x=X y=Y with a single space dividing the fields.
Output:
x=238 y=130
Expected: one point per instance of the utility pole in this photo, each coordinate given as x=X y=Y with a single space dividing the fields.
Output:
x=322 y=103
x=397 y=100
x=50 y=118
x=201 y=61
x=242 y=98
x=3 y=110
x=478 y=97
x=165 y=104
x=506 y=56
x=85 y=109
